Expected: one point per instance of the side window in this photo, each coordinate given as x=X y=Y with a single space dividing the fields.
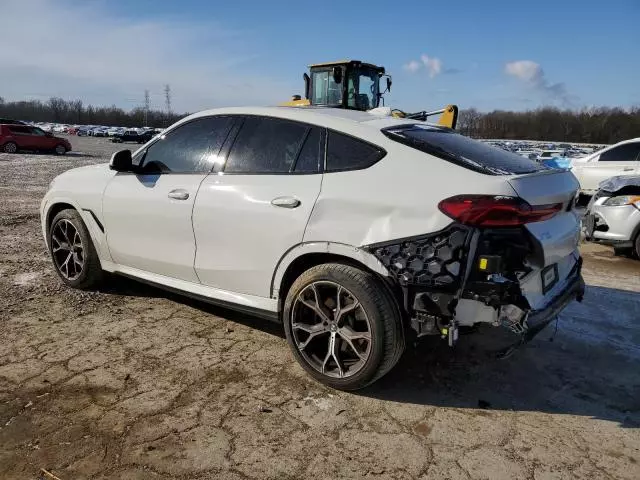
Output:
x=348 y=153
x=311 y=154
x=20 y=130
x=38 y=132
x=624 y=153
x=266 y=145
x=191 y=148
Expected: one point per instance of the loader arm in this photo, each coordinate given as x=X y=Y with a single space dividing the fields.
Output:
x=448 y=115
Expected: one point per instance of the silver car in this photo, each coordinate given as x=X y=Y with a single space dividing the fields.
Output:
x=613 y=215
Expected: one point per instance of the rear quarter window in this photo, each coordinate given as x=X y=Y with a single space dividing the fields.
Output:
x=464 y=151
x=349 y=153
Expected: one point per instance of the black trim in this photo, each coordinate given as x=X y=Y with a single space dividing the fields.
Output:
x=95 y=218
x=257 y=312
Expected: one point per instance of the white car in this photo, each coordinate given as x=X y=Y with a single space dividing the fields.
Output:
x=353 y=230
x=620 y=159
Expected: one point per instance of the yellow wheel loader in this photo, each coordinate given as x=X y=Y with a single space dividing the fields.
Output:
x=355 y=85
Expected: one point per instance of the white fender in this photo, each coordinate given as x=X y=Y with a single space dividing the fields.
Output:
x=355 y=253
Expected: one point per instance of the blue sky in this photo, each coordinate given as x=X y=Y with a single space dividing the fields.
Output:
x=488 y=55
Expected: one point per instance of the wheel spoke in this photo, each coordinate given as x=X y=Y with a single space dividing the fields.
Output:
x=331 y=353
x=65 y=264
x=316 y=306
x=348 y=335
x=312 y=330
x=344 y=310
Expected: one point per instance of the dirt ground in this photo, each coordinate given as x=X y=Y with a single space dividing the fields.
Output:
x=136 y=383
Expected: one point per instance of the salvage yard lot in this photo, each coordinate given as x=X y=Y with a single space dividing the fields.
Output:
x=136 y=383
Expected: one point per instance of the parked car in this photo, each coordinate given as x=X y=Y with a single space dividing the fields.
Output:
x=98 y=132
x=23 y=137
x=114 y=131
x=82 y=131
x=619 y=159
x=134 y=136
x=353 y=230
x=613 y=215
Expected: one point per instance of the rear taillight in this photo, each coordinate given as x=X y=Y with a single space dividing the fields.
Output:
x=495 y=211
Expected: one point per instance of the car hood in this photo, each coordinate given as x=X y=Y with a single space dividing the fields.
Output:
x=614 y=184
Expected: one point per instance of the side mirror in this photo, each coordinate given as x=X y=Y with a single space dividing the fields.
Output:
x=337 y=74
x=388 y=84
x=121 y=161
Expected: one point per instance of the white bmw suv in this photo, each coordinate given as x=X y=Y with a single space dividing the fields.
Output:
x=352 y=230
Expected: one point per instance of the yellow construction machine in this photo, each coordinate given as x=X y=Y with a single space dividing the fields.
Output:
x=355 y=85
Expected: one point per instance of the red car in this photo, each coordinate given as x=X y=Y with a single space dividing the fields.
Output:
x=26 y=137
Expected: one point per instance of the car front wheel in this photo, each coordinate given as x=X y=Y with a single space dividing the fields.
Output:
x=72 y=251
x=343 y=326
x=61 y=149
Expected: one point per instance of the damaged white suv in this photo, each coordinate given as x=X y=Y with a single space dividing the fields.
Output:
x=351 y=229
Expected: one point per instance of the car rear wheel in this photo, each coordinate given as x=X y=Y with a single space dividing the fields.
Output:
x=10 y=147
x=72 y=251
x=637 y=246
x=343 y=326
x=61 y=149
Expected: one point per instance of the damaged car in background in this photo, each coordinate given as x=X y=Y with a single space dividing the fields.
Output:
x=353 y=230
x=613 y=215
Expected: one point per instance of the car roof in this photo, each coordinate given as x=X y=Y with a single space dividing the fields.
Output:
x=338 y=118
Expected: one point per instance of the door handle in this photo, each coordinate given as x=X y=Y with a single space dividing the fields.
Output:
x=178 y=194
x=628 y=169
x=285 y=202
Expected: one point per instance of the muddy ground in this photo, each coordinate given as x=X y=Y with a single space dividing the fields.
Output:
x=135 y=383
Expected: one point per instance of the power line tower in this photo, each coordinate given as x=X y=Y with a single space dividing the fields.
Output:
x=146 y=108
x=167 y=98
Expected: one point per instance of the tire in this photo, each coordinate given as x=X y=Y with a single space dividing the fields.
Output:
x=60 y=149
x=63 y=247
x=376 y=311
x=10 y=147
x=636 y=248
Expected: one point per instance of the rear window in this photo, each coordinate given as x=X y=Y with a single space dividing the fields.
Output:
x=464 y=151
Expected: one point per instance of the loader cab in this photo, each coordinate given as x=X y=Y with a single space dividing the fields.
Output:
x=346 y=84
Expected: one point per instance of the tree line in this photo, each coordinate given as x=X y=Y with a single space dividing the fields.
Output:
x=595 y=125
x=58 y=110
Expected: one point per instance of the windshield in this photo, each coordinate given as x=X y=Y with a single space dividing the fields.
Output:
x=464 y=151
x=362 y=89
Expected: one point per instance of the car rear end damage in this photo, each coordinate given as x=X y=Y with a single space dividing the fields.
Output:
x=505 y=260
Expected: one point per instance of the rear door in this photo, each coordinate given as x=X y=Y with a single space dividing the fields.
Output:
x=620 y=160
x=249 y=214
x=22 y=136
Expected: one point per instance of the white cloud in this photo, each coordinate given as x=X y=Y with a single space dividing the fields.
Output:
x=85 y=51
x=525 y=70
x=432 y=65
x=413 y=66
x=532 y=74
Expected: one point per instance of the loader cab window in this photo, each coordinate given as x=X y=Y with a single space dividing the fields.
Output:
x=325 y=89
x=362 y=89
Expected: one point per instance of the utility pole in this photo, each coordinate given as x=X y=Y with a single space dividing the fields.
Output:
x=146 y=108
x=167 y=98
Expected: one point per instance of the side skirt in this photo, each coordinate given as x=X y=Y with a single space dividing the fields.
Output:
x=206 y=294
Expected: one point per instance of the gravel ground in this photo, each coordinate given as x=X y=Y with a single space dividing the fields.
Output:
x=135 y=383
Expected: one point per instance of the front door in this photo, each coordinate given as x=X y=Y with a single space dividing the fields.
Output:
x=248 y=216
x=148 y=214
